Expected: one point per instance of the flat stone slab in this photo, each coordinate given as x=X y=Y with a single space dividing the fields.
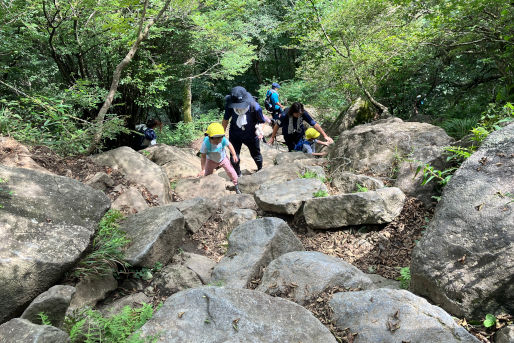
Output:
x=177 y=162
x=391 y=316
x=347 y=182
x=268 y=176
x=373 y=207
x=310 y=273
x=211 y=186
x=287 y=197
x=219 y=314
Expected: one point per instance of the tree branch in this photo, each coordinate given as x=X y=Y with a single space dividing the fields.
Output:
x=142 y=34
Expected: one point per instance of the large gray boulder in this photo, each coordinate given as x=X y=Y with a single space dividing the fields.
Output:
x=53 y=303
x=252 y=246
x=219 y=314
x=196 y=212
x=306 y=274
x=287 y=197
x=465 y=260
x=234 y=201
x=288 y=158
x=347 y=182
x=19 y=330
x=392 y=316
x=211 y=187
x=45 y=227
x=178 y=163
x=138 y=169
x=268 y=176
x=394 y=148
x=373 y=207
x=155 y=235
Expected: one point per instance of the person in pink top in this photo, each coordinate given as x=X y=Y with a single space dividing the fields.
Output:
x=214 y=154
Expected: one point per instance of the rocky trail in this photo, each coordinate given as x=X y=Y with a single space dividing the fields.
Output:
x=326 y=265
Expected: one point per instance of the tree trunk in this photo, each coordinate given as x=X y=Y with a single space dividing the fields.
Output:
x=142 y=34
x=257 y=71
x=186 y=104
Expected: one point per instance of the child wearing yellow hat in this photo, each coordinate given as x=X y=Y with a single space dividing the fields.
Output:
x=309 y=144
x=213 y=153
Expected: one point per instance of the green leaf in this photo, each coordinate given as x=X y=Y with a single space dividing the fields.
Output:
x=490 y=320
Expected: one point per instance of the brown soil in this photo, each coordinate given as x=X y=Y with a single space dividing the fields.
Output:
x=82 y=168
x=373 y=248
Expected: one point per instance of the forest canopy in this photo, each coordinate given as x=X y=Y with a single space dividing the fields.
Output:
x=448 y=61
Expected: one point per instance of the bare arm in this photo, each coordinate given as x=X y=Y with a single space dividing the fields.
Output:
x=224 y=123
x=232 y=152
x=202 y=163
x=320 y=130
x=322 y=143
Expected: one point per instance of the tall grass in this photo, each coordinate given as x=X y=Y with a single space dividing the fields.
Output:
x=107 y=250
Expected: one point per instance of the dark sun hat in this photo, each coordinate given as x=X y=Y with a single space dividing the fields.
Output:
x=239 y=98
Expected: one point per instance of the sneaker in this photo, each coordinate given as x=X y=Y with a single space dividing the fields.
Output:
x=237 y=189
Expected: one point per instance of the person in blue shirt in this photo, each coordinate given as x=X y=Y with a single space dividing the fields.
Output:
x=214 y=155
x=278 y=109
x=291 y=122
x=309 y=144
x=245 y=116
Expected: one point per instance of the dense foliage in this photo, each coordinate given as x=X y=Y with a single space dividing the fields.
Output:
x=450 y=61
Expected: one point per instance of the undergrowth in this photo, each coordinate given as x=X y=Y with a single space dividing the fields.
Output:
x=90 y=326
x=493 y=119
x=107 y=251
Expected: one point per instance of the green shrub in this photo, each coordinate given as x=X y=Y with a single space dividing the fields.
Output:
x=491 y=120
x=404 y=277
x=320 y=194
x=91 y=326
x=182 y=134
x=44 y=318
x=459 y=127
x=107 y=251
x=52 y=122
x=361 y=188
x=309 y=174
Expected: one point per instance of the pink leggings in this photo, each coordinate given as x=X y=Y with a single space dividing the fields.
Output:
x=210 y=165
